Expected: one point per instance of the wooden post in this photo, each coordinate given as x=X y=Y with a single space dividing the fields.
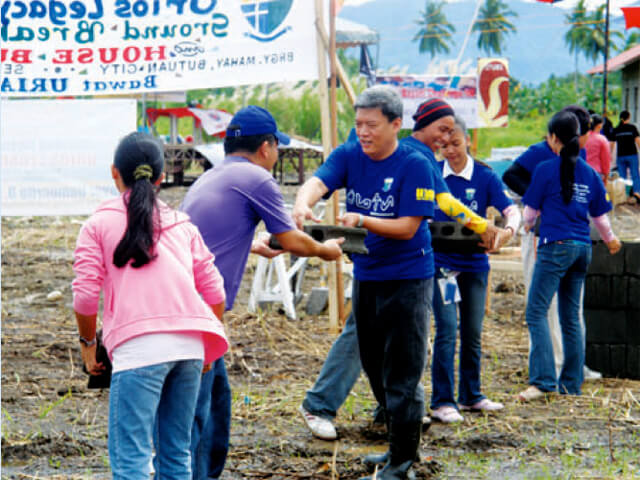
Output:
x=333 y=106
x=325 y=118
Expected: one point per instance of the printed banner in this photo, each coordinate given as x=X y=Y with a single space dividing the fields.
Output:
x=94 y=47
x=459 y=91
x=56 y=154
x=493 y=86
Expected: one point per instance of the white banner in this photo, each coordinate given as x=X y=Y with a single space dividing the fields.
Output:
x=91 y=47
x=56 y=154
x=461 y=92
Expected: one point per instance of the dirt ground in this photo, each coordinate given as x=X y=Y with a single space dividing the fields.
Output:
x=54 y=427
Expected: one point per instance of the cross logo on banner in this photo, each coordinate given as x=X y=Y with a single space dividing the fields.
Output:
x=266 y=17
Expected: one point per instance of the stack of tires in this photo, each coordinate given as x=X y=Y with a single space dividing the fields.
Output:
x=612 y=311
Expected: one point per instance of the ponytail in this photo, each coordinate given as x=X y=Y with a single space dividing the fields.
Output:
x=139 y=158
x=565 y=126
x=568 y=159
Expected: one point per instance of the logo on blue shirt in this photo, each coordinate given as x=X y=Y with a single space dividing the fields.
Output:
x=470 y=193
x=265 y=17
x=387 y=184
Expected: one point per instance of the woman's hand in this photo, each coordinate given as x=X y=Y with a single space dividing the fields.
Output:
x=614 y=246
x=89 y=359
x=503 y=236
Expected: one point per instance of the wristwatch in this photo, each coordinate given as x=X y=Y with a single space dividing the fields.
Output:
x=360 y=220
x=87 y=343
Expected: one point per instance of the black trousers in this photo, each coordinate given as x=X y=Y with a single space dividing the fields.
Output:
x=392 y=319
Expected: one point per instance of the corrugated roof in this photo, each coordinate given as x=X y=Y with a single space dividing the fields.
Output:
x=620 y=61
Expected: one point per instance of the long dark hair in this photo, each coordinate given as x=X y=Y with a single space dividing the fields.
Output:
x=140 y=159
x=565 y=126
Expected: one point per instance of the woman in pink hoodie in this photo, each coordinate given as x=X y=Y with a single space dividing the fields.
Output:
x=162 y=301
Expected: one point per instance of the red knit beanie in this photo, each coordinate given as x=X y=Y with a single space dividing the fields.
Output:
x=429 y=111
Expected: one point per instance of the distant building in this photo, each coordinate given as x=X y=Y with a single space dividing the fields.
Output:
x=629 y=62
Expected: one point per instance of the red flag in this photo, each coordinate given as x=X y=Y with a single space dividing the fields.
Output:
x=631 y=16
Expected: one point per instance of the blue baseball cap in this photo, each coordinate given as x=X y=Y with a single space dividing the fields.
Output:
x=254 y=120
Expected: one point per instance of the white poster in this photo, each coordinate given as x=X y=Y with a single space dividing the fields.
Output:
x=96 y=47
x=461 y=92
x=56 y=154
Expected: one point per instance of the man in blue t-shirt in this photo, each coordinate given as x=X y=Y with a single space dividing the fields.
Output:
x=389 y=191
x=226 y=204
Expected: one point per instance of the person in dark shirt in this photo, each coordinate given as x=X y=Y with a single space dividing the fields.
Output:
x=627 y=144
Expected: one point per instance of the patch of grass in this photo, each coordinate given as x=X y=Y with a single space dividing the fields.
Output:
x=46 y=409
x=523 y=132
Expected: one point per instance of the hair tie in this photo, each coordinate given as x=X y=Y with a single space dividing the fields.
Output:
x=143 y=171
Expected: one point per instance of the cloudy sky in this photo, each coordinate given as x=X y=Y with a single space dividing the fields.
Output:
x=567 y=4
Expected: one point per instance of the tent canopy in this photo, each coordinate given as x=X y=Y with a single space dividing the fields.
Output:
x=352 y=34
x=213 y=121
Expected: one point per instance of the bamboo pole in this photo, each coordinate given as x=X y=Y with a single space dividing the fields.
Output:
x=325 y=117
x=342 y=75
x=333 y=107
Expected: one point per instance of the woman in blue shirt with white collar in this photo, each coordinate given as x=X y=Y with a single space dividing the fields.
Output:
x=478 y=187
x=564 y=191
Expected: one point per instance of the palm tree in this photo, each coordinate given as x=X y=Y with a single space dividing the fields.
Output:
x=576 y=36
x=434 y=35
x=595 y=38
x=492 y=25
x=633 y=39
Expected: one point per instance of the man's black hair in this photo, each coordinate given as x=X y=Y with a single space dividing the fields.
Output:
x=249 y=143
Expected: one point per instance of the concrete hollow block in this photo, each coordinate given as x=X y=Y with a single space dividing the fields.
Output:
x=451 y=237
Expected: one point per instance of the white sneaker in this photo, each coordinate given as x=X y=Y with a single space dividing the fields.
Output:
x=591 y=374
x=320 y=427
x=446 y=414
x=484 y=404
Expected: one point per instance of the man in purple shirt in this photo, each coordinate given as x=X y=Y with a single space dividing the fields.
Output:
x=226 y=204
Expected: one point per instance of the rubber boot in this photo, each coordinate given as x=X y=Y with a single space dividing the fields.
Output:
x=378 y=459
x=404 y=441
x=379 y=415
x=370 y=461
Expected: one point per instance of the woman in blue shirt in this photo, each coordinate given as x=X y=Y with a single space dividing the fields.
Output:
x=478 y=187
x=564 y=191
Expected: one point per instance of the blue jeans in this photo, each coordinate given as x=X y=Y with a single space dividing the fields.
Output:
x=560 y=267
x=473 y=291
x=630 y=162
x=211 y=425
x=339 y=373
x=165 y=395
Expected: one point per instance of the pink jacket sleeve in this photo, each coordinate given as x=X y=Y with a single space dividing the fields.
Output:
x=605 y=157
x=529 y=216
x=90 y=271
x=207 y=278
